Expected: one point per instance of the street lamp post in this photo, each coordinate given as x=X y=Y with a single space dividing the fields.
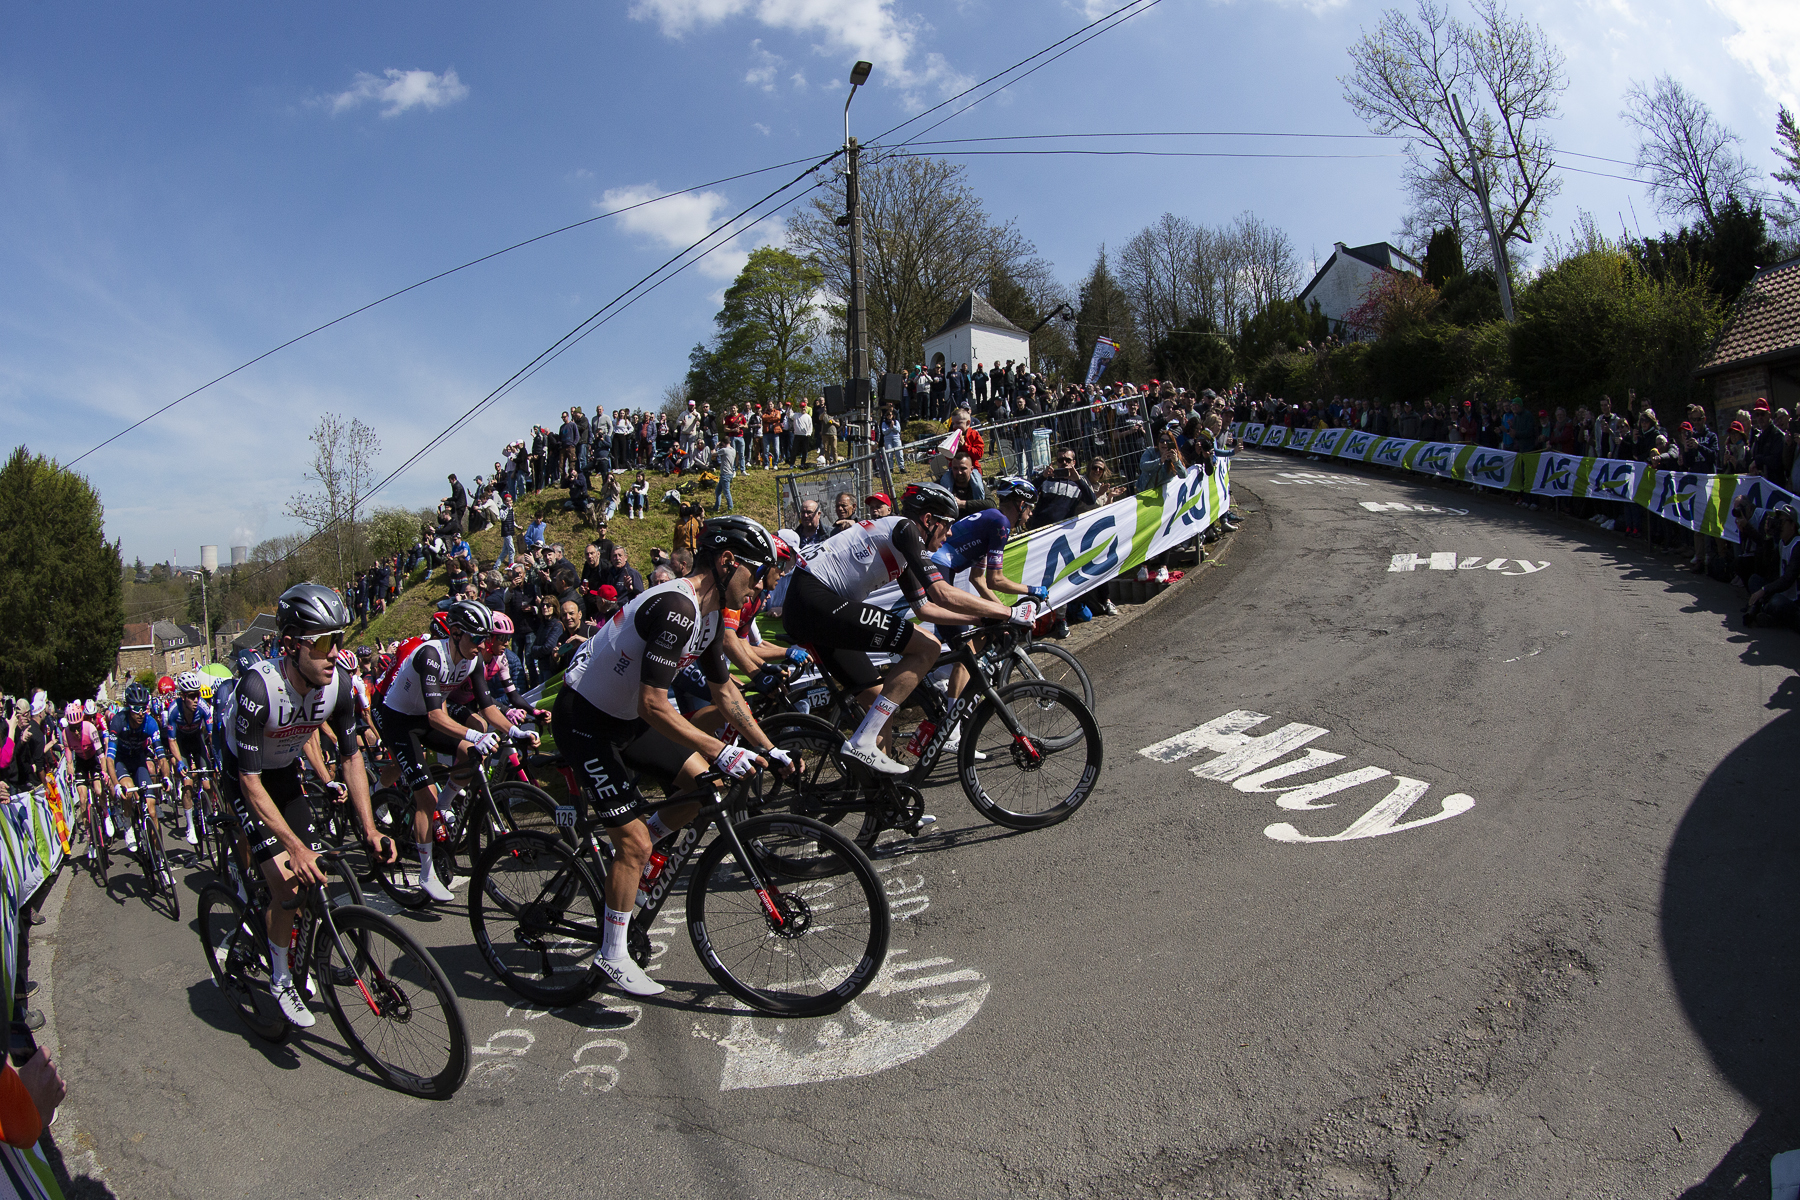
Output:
x=858 y=381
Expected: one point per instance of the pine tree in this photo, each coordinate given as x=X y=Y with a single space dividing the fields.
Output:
x=62 y=609
x=1443 y=257
x=1105 y=311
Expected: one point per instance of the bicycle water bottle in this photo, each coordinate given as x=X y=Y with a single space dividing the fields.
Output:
x=921 y=738
x=653 y=869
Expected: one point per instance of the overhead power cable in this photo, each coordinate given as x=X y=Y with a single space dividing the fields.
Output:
x=421 y=283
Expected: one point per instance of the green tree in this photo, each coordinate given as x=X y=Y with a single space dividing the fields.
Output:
x=1104 y=310
x=61 y=607
x=1195 y=356
x=1283 y=325
x=1443 y=257
x=1787 y=132
x=769 y=346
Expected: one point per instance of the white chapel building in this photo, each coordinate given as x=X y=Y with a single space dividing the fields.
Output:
x=977 y=333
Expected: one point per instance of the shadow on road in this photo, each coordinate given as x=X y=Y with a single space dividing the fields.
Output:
x=1731 y=930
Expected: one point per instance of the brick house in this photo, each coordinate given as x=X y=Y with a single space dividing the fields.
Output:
x=137 y=652
x=1758 y=351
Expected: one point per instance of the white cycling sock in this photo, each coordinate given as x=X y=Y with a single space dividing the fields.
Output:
x=612 y=941
x=872 y=724
x=425 y=849
x=279 y=972
x=658 y=831
x=447 y=798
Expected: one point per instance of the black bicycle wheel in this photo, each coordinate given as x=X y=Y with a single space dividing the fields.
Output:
x=394 y=1004
x=1045 y=773
x=828 y=934
x=537 y=916
x=526 y=806
x=237 y=951
x=821 y=789
x=399 y=880
x=1047 y=660
x=97 y=839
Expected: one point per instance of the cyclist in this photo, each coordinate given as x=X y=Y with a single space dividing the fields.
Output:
x=979 y=540
x=826 y=608
x=190 y=724
x=276 y=706
x=134 y=741
x=162 y=705
x=743 y=646
x=413 y=704
x=614 y=708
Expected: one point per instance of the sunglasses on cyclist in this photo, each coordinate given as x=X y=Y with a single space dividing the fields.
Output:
x=332 y=640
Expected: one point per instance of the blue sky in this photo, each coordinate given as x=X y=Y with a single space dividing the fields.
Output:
x=183 y=187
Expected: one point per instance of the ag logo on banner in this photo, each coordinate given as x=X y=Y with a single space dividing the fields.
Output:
x=1490 y=468
x=1555 y=475
x=1357 y=445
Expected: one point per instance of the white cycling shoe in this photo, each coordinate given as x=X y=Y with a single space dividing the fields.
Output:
x=130 y=840
x=955 y=744
x=287 y=996
x=193 y=838
x=872 y=758
x=435 y=889
x=628 y=977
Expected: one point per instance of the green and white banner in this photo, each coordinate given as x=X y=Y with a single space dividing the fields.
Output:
x=1082 y=553
x=1701 y=502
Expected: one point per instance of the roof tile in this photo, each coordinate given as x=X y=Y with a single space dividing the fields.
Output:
x=1766 y=323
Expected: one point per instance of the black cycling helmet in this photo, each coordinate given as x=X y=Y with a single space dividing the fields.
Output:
x=308 y=608
x=244 y=660
x=933 y=498
x=1015 y=487
x=470 y=617
x=743 y=537
x=137 y=697
x=365 y=653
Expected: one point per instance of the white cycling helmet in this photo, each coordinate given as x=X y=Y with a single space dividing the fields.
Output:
x=190 y=683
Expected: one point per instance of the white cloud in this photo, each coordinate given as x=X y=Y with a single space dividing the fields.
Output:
x=678 y=222
x=1767 y=42
x=845 y=29
x=398 y=90
x=764 y=66
x=760 y=128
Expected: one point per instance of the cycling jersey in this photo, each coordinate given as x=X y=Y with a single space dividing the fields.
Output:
x=133 y=742
x=500 y=686
x=975 y=541
x=271 y=720
x=198 y=723
x=869 y=554
x=427 y=676
x=646 y=642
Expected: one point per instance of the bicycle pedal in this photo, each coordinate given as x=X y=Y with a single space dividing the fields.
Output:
x=917 y=826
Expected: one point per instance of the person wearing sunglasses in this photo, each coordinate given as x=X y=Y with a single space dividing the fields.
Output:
x=272 y=710
x=415 y=706
x=614 y=712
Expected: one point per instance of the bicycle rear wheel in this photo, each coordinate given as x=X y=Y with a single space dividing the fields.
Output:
x=821 y=789
x=394 y=1005
x=1044 y=774
x=526 y=806
x=237 y=951
x=828 y=934
x=536 y=914
x=1047 y=660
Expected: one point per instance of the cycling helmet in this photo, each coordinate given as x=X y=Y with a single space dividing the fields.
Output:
x=137 y=697
x=165 y=686
x=503 y=626
x=89 y=708
x=933 y=498
x=206 y=690
x=364 y=653
x=345 y=659
x=190 y=683
x=308 y=608
x=440 y=624
x=1015 y=487
x=785 y=554
x=743 y=537
x=72 y=712
x=471 y=617
x=244 y=660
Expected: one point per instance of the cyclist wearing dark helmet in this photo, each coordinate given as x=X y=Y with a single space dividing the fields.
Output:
x=269 y=715
x=134 y=741
x=413 y=706
x=825 y=608
x=615 y=709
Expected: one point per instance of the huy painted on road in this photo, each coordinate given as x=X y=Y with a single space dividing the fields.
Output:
x=1448 y=560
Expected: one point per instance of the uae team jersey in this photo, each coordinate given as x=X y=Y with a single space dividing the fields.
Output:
x=267 y=720
x=428 y=676
x=648 y=642
x=860 y=560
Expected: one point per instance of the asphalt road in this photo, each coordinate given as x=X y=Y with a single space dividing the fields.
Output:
x=1540 y=944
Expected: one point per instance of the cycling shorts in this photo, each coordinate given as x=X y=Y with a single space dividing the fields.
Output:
x=87 y=770
x=690 y=690
x=284 y=788
x=397 y=730
x=195 y=748
x=137 y=771
x=597 y=747
x=842 y=632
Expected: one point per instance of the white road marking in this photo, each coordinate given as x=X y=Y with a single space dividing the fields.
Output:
x=1243 y=761
x=1376 y=506
x=1440 y=560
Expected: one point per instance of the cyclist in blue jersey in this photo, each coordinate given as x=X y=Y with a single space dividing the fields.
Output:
x=190 y=727
x=977 y=544
x=134 y=741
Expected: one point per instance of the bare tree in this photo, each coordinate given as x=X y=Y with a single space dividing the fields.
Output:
x=1440 y=202
x=343 y=465
x=1157 y=269
x=1689 y=161
x=1406 y=77
x=927 y=241
x=1268 y=264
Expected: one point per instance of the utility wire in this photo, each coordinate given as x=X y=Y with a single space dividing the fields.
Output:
x=1394 y=137
x=421 y=283
x=909 y=153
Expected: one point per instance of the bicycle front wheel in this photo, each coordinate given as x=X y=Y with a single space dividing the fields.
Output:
x=394 y=1005
x=1040 y=775
x=787 y=944
x=237 y=952
x=536 y=914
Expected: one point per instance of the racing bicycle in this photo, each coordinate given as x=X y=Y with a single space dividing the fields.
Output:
x=150 y=853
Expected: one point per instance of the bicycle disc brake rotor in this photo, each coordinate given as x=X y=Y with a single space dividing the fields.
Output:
x=796 y=916
x=1027 y=753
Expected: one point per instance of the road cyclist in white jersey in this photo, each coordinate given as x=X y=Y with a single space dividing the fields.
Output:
x=414 y=702
x=615 y=710
x=271 y=712
x=825 y=608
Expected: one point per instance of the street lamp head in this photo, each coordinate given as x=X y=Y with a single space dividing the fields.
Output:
x=859 y=74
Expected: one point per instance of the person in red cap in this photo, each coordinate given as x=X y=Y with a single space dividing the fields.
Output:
x=880 y=505
x=1766 y=442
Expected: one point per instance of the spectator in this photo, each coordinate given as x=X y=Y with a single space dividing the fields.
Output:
x=567 y=434
x=576 y=629
x=623 y=577
x=1101 y=482
x=1767 y=445
x=965 y=481
x=458 y=502
x=1062 y=493
x=753 y=430
x=802 y=433
x=1777 y=599
x=579 y=501
x=827 y=425
x=725 y=461
x=686 y=534
x=809 y=527
x=891 y=436
x=879 y=505
x=844 y=512
x=534 y=535
x=971 y=437
x=638 y=498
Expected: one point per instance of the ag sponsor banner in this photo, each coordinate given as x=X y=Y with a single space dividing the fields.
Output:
x=1082 y=553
